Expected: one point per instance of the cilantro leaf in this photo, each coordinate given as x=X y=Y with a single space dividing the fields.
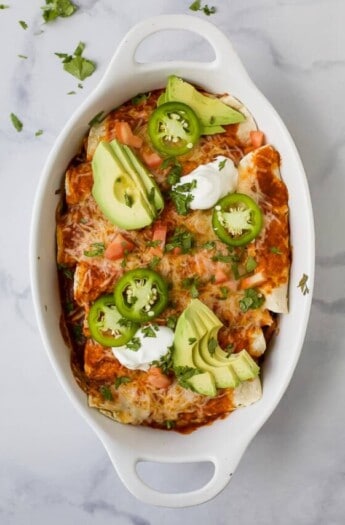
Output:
x=169 y=424
x=251 y=264
x=165 y=362
x=191 y=284
x=224 y=293
x=174 y=175
x=212 y=345
x=148 y=331
x=154 y=261
x=140 y=98
x=303 y=284
x=3 y=6
x=134 y=344
x=22 y=56
x=196 y=6
x=97 y=248
x=252 y=299
x=106 y=392
x=57 y=8
x=182 y=239
x=191 y=340
x=97 y=119
x=209 y=245
x=16 y=122
x=171 y=322
x=182 y=197
x=128 y=200
x=76 y=64
x=39 y=132
x=221 y=164
x=184 y=373
x=121 y=380
x=275 y=250
x=23 y=24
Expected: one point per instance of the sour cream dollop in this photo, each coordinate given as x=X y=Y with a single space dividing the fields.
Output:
x=151 y=348
x=213 y=181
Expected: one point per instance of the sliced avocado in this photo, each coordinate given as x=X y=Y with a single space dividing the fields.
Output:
x=244 y=366
x=212 y=130
x=224 y=376
x=150 y=184
x=211 y=111
x=194 y=347
x=122 y=157
x=203 y=384
x=161 y=99
x=115 y=192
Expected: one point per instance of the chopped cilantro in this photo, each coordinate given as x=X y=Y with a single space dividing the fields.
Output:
x=229 y=348
x=154 y=261
x=169 y=424
x=191 y=340
x=171 y=322
x=303 y=284
x=134 y=344
x=182 y=197
x=251 y=264
x=16 y=122
x=97 y=119
x=221 y=165
x=151 y=195
x=153 y=244
x=121 y=380
x=191 y=284
x=184 y=373
x=125 y=322
x=234 y=269
x=128 y=200
x=209 y=245
x=274 y=249
x=212 y=345
x=3 y=6
x=252 y=299
x=148 y=331
x=174 y=175
x=196 y=6
x=39 y=132
x=165 y=362
x=71 y=93
x=56 y=8
x=224 y=292
x=169 y=161
x=22 y=56
x=106 y=392
x=222 y=258
x=76 y=64
x=23 y=24
x=97 y=248
x=80 y=86
x=140 y=98
x=182 y=239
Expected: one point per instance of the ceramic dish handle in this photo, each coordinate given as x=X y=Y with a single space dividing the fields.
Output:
x=125 y=463
x=225 y=55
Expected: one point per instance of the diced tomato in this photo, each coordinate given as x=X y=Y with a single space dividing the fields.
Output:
x=256 y=279
x=152 y=159
x=156 y=378
x=159 y=237
x=220 y=276
x=177 y=250
x=257 y=138
x=125 y=135
x=118 y=248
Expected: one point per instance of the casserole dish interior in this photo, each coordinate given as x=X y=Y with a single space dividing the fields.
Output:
x=224 y=442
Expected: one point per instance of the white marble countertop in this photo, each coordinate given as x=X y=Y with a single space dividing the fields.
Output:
x=53 y=469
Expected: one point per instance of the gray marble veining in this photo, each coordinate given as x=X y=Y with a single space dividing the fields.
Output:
x=52 y=467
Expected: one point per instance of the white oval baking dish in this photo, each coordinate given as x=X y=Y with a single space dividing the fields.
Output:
x=224 y=442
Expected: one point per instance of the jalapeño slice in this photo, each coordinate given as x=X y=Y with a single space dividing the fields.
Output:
x=140 y=295
x=237 y=219
x=174 y=129
x=106 y=324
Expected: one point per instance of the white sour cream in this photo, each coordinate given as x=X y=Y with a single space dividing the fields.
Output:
x=151 y=349
x=213 y=181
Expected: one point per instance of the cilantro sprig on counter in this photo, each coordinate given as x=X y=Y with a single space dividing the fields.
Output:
x=76 y=64
x=57 y=8
x=196 y=6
